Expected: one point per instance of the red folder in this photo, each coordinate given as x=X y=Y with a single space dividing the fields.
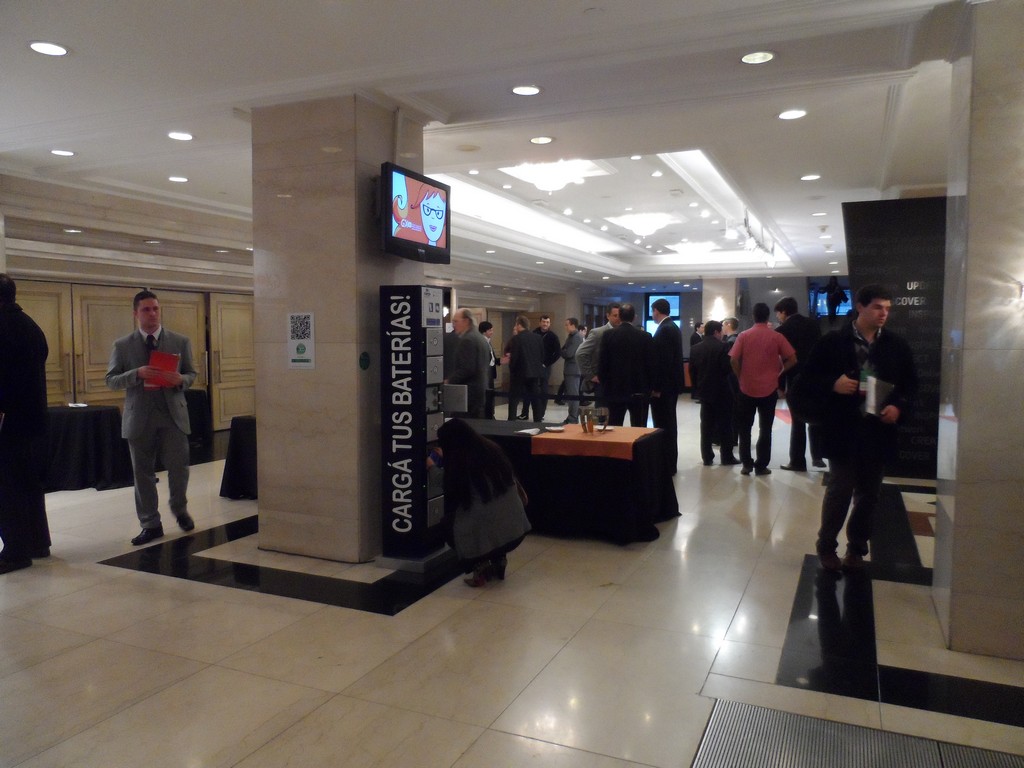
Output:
x=165 y=361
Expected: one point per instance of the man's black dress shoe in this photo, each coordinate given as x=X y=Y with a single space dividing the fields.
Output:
x=6 y=566
x=39 y=554
x=729 y=460
x=794 y=467
x=761 y=472
x=820 y=463
x=148 y=535
x=747 y=469
x=185 y=522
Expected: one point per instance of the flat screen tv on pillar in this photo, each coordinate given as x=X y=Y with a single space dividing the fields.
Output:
x=415 y=216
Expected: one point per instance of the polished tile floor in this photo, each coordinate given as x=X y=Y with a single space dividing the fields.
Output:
x=206 y=651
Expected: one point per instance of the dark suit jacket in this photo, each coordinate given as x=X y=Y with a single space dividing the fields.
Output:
x=626 y=363
x=552 y=349
x=845 y=430
x=130 y=354
x=802 y=332
x=472 y=365
x=23 y=352
x=710 y=370
x=668 y=359
x=526 y=359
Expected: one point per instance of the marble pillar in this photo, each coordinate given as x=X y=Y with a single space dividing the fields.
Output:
x=317 y=250
x=979 y=559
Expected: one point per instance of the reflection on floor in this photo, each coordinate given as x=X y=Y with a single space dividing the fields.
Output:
x=589 y=654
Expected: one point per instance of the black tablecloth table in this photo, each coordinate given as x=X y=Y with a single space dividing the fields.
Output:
x=86 y=449
x=611 y=498
x=239 y=480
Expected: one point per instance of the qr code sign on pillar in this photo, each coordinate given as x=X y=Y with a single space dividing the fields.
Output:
x=300 y=340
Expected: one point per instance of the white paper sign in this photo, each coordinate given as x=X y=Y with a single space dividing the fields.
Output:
x=301 y=347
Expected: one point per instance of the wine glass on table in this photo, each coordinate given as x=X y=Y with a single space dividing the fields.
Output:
x=601 y=419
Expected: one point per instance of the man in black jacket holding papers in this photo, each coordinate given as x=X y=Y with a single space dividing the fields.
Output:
x=155 y=421
x=867 y=376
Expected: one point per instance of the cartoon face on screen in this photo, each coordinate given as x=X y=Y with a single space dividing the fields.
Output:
x=432 y=213
x=419 y=214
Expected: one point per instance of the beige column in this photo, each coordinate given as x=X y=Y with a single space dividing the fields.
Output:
x=978 y=589
x=316 y=250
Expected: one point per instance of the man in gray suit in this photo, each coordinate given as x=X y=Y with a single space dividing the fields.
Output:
x=571 y=368
x=471 y=363
x=155 y=422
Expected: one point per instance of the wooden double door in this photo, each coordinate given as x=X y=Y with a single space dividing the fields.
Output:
x=81 y=323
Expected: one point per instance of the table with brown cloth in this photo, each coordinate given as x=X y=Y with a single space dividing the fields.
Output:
x=86 y=449
x=613 y=485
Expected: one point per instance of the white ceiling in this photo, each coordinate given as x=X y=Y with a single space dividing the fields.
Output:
x=655 y=78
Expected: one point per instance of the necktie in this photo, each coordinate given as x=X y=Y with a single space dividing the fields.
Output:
x=151 y=342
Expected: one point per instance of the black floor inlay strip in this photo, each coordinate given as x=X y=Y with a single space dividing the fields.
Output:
x=830 y=643
x=182 y=558
x=952 y=695
x=830 y=648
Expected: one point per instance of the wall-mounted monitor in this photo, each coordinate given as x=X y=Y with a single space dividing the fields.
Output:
x=415 y=215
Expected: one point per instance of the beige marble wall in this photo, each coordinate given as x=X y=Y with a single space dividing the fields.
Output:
x=316 y=250
x=978 y=587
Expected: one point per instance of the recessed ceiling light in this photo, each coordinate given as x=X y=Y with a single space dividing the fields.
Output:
x=62 y=152
x=819 y=213
x=486 y=286
x=811 y=177
x=541 y=140
x=151 y=242
x=223 y=250
x=792 y=114
x=526 y=90
x=657 y=174
x=833 y=263
x=826 y=236
x=578 y=271
x=177 y=179
x=835 y=271
x=629 y=283
x=48 y=49
x=71 y=231
x=538 y=262
x=490 y=250
x=506 y=186
x=567 y=212
x=605 y=277
x=694 y=205
x=180 y=136
x=474 y=172
x=758 y=57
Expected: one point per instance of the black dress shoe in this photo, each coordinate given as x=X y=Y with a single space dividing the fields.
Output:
x=148 y=535
x=746 y=470
x=794 y=467
x=762 y=471
x=819 y=463
x=185 y=522
x=729 y=461
x=15 y=564
x=39 y=554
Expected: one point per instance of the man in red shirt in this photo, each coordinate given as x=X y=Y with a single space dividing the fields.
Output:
x=758 y=357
